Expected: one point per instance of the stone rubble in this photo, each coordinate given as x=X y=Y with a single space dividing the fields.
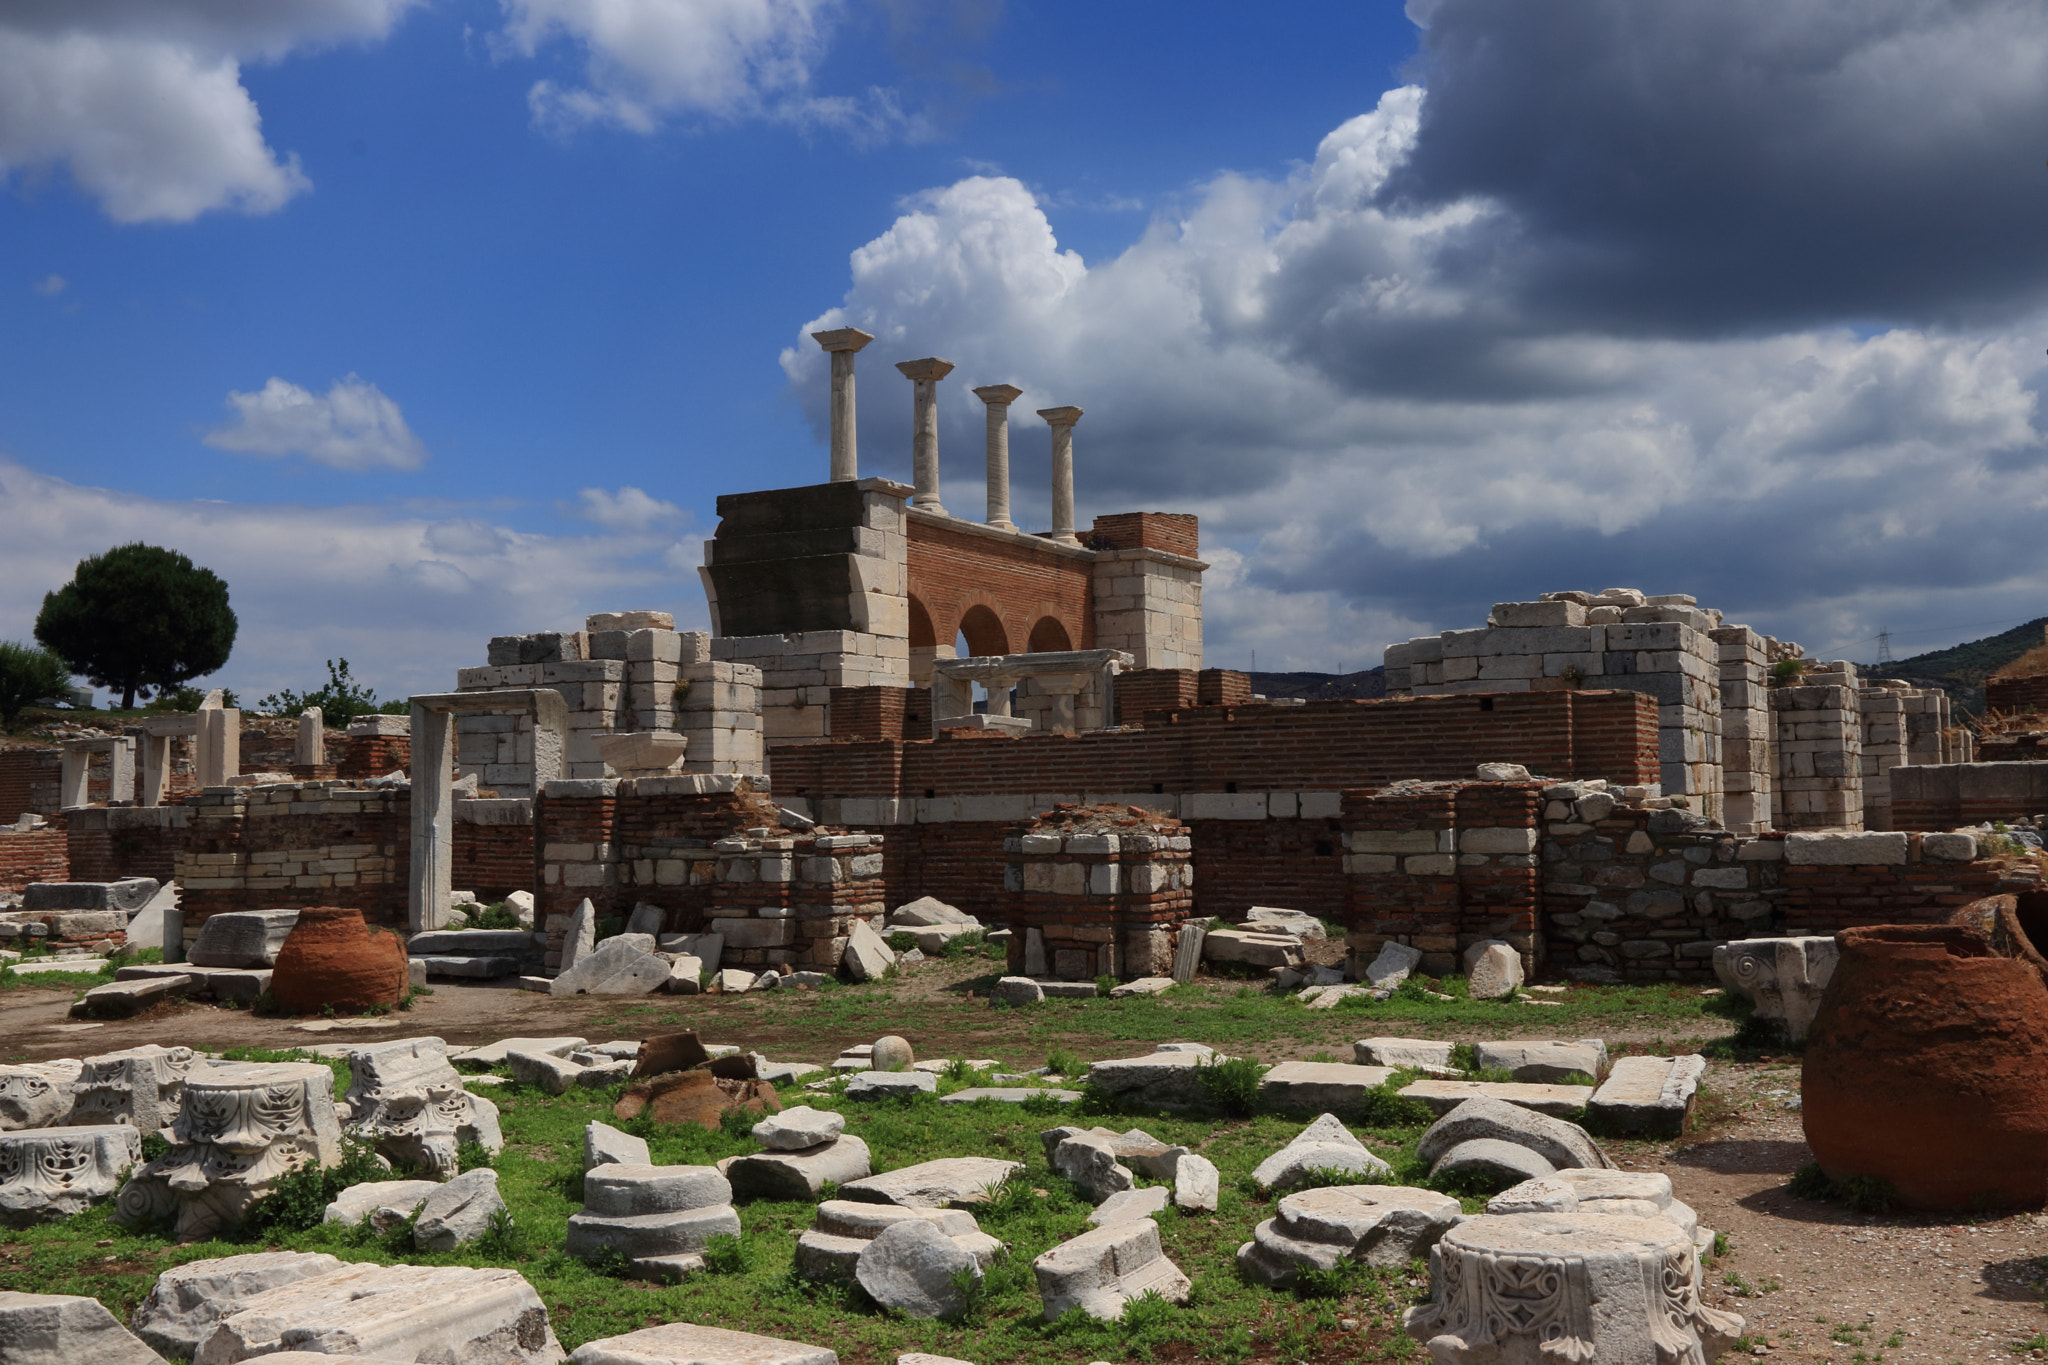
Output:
x=386 y=1203
x=187 y=1300
x=658 y=1217
x=1381 y=1225
x=1491 y=1134
x=831 y=1247
x=65 y=1329
x=409 y=1103
x=459 y=1211
x=1100 y=1271
x=50 y=1173
x=1324 y=1146
x=946 y=1183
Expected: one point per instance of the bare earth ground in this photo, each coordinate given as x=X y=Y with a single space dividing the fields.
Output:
x=1815 y=1281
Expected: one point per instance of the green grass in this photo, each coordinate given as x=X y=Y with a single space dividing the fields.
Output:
x=749 y=1286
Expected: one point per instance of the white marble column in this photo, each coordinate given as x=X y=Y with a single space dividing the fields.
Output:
x=310 y=747
x=1062 y=420
x=842 y=344
x=924 y=376
x=999 y=397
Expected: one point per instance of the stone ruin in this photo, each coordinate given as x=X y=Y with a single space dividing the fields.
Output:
x=406 y=1099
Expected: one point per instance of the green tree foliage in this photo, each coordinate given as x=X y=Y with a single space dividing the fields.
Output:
x=28 y=675
x=340 y=700
x=139 y=617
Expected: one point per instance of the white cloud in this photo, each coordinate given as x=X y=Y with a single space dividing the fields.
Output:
x=50 y=286
x=649 y=61
x=406 y=599
x=629 y=509
x=352 y=427
x=1345 y=399
x=143 y=100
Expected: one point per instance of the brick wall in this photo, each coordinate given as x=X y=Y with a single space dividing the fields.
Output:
x=1329 y=746
x=108 y=843
x=1177 y=533
x=1223 y=687
x=868 y=712
x=296 y=844
x=1021 y=579
x=358 y=758
x=1939 y=796
x=1096 y=890
x=1154 y=689
x=40 y=855
x=2017 y=694
x=494 y=850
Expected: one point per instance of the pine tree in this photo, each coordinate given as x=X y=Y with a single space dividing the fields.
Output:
x=139 y=617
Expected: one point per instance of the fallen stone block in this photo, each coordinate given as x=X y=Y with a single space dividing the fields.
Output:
x=867 y=957
x=556 y=1075
x=910 y=1266
x=652 y=1213
x=1319 y=1087
x=1442 y=1097
x=1007 y=1094
x=37 y=1094
x=623 y=964
x=1128 y=1204
x=605 y=1145
x=515 y=943
x=799 y=1128
x=1652 y=1095
x=187 y=1300
x=1539 y=1062
x=1418 y=1053
x=929 y=911
x=125 y=999
x=1294 y=923
x=1090 y=1162
x=458 y=1212
x=1252 y=948
x=1162 y=1079
x=1100 y=1271
x=1506 y=1163
x=1557 y=1142
x=125 y=896
x=831 y=1248
x=48 y=1173
x=1329 y=997
x=708 y=949
x=1196 y=1184
x=409 y=1102
x=1633 y=1294
x=1381 y=1225
x=386 y=1203
x=949 y=1182
x=1493 y=970
x=498 y=1053
x=242 y=938
x=867 y=1085
x=1783 y=977
x=86 y=966
x=1396 y=963
x=1144 y=985
x=1325 y=1145
x=221 y=983
x=139 y=1087
x=65 y=1329
x=685 y=1343
x=407 y=1312
x=471 y=968
x=802 y=1173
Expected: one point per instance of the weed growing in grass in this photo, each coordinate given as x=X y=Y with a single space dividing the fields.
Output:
x=1860 y=1193
x=972 y=1291
x=300 y=1198
x=726 y=1254
x=472 y=1156
x=1231 y=1086
x=502 y=1239
x=1061 y=1061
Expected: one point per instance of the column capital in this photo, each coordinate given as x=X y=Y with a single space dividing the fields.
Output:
x=842 y=339
x=1060 y=417
x=931 y=367
x=999 y=394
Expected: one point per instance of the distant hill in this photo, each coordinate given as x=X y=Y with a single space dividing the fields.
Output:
x=1962 y=669
x=1366 y=684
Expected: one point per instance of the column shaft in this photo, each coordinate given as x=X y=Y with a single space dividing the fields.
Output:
x=999 y=397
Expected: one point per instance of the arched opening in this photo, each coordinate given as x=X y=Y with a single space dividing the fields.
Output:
x=1048 y=636
x=983 y=632
x=921 y=632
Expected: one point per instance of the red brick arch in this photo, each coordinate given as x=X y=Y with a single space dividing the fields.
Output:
x=1018 y=581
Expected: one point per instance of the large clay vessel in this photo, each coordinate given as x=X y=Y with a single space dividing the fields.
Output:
x=332 y=958
x=1927 y=1064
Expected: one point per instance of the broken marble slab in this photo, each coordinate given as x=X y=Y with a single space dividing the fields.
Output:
x=386 y=1203
x=949 y=1182
x=1325 y=1145
x=187 y=1300
x=1649 y=1095
x=831 y=1247
x=1441 y=1097
x=66 y=1329
x=1102 y=1270
x=407 y=1312
x=1380 y=1225
x=1319 y=1087
x=685 y=1343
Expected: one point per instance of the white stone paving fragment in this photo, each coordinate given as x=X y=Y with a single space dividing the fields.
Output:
x=1100 y=1271
x=800 y=1174
x=1130 y=1204
x=1652 y=1095
x=685 y=1343
x=1540 y=1061
x=409 y=1312
x=949 y=1182
x=65 y=1329
x=1420 y=1053
x=187 y=1300
x=1381 y=1225
x=1318 y=1087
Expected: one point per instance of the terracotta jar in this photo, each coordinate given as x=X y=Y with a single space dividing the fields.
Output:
x=1927 y=1064
x=332 y=958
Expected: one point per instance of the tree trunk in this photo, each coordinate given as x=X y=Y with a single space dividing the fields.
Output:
x=128 y=697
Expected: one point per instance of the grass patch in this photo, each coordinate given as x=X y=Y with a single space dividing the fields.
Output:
x=1859 y=1193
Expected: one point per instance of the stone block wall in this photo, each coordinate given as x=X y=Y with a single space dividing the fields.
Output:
x=375 y=746
x=795 y=675
x=1148 y=603
x=1747 y=769
x=295 y=844
x=1439 y=867
x=2017 y=696
x=1097 y=891
x=40 y=855
x=28 y=782
x=1945 y=796
x=1817 y=738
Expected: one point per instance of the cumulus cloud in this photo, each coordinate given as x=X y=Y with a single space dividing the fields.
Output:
x=142 y=99
x=649 y=61
x=406 y=598
x=353 y=426
x=629 y=509
x=1361 y=392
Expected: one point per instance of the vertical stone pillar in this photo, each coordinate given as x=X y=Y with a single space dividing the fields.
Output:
x=432 y=881
x=924 y=376
x=156 y=768
x=999 y=397
x=219 y=747
x=74 y=776
x=841 y=344
x=1062 y=420
x=310 y=747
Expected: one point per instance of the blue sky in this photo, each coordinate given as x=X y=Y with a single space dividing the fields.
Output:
x=422 y=322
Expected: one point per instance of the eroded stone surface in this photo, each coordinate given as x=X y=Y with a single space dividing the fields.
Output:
x=55 y=1172
x=1319 y=1087
x=459 y=1211
x=1100 y=1271
x=242 y=938
x=604 y=1144
x=1543 y=1061
x=407 y=1312
x=685 y=1343
x=187 y=1300
x=1130 y=1204
x=800 y=1174
x=1493 y=969
x=410 y=1103
x=798 y=1128
x=949 y=1182
x=1444 y=1096
x=1325 y=1145
x=1784 y=977
x=1420 y=1053
x=139 y=1086
x=910 y=1266
x=1382 y=1225
x=36 y=1094
x=386 y=1203
x=1558 y=1143
x=1196 y=1184
x=65 y=1329
x=1652 y=1095
x=623 y=964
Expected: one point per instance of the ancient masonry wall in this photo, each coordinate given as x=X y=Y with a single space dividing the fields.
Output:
x=108 y=843
x=1022 y=582
x=295 y=844
x=494 y=851
x=38 y=855
x=1945 y=796
x=1659 y=646
x=1096 y=891
x=697 y=848
x=2016 y=695
x=1818 y=739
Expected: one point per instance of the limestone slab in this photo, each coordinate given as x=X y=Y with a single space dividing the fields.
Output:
x=800 y=1174
x=384 y=1202
x=65 y=1329
x=606 y=1145
x=1442 y=1097
x=1130 y=1204
x=459 y=1211
x=187 y=1300
x=1419 y=1053
x=1543 y=1061
x=1009 y=1094
x=685 y=1343
x=881 y=1084
x=1100 y=1271
x=1652 y=1095
x=949 y=1182
x=495 y=1054
x=798 y=1128
x=410 y=1312
x=1325 y=1145
x=1319 y=1087
x=242 y=938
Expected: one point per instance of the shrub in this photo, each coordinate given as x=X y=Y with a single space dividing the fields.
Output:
x=726 y=1254
x=1062 y=1061
x=1231 y=1086
x=902 y=940
x=300 y=1198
